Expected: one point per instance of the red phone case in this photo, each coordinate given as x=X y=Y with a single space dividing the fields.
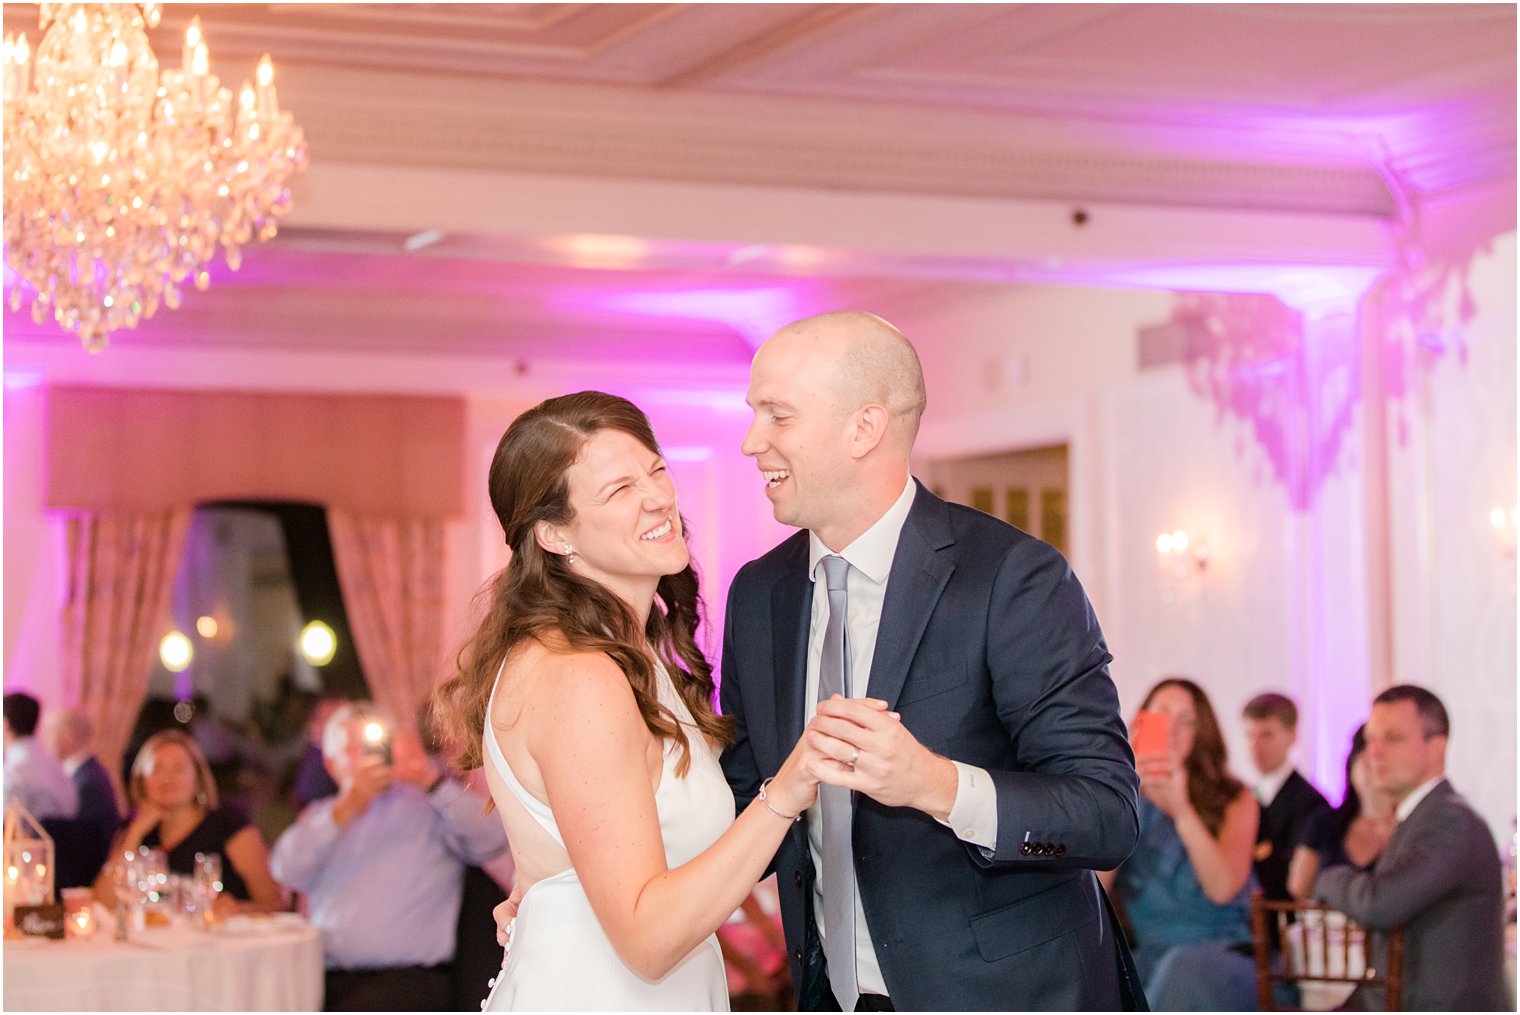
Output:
x=1152 y=732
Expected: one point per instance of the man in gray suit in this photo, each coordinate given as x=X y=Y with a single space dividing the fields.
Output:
x=1438 y=877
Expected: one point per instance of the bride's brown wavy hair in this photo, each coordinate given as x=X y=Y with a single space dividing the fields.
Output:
x=538 y=597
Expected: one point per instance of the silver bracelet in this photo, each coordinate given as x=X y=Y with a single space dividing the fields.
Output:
x=767 y=803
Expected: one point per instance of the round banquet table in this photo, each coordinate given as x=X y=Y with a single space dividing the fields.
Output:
x=273 y=968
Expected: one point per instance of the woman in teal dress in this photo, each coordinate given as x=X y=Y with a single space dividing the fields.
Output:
x=1186 y=889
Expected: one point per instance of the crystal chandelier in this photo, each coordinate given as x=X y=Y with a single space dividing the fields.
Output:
x=120 y=179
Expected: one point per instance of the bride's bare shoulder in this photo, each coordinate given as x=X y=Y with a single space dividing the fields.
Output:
x=551 y=667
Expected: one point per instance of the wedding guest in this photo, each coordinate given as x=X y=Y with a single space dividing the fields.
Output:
x=33 y=775
x=1288 y=800
x=1439 y=875
x=1353 y=833
x=382 y=866
x=1186 y=888
x=177 y=811
x=312 y=780
x=82 y=843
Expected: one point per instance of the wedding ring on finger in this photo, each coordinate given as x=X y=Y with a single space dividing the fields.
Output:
x=853 y=758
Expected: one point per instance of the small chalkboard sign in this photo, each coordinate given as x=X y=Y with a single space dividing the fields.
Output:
x=41 y=921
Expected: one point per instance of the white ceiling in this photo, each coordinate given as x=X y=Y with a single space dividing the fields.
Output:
x=1334 y=113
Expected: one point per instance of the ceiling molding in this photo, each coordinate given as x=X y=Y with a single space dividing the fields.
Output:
x=357 y=116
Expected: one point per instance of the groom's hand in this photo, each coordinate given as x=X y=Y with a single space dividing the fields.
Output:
x=892 y=767
x=505 y=912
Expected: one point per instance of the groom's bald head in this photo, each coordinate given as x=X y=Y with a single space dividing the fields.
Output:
x=860 y=359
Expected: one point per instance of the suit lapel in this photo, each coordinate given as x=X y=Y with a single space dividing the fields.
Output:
x=918 y=578
x=1412 y=825
x=791 y=614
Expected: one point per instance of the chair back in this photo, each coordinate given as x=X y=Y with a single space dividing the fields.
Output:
x=1319 y=944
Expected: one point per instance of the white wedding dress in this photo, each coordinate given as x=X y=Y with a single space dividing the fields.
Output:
x=559 y=958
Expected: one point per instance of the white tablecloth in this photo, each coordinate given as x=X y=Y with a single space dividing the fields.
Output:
x=278 y=969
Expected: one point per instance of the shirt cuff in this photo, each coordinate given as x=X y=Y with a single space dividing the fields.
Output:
x=974 y=816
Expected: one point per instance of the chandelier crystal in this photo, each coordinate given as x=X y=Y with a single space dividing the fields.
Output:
x=122 y=180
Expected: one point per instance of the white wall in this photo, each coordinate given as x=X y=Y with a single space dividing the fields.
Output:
x=33 y=548
x=1452 y=461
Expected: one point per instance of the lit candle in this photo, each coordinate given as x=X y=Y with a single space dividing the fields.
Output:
x=200 y=66
x=267 y=104
x=192 y=40
x=245 y=104
x=82 y=924
x=20 y=56
x=79 y=52
x=118 y=62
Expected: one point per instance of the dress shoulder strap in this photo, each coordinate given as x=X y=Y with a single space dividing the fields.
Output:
x=537 y=809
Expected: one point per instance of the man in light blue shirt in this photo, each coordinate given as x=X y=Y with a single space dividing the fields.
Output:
x=32 y=775
x=382 y=864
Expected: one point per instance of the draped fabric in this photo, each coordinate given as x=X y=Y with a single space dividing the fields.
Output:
x=392 y=574
x=120 y=574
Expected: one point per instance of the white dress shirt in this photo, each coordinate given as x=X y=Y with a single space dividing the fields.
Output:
x=973 y=817
x=1271 y=784
x=35 y=777
x=1408 y=804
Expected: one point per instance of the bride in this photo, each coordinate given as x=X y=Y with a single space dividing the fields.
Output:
x=600 y=738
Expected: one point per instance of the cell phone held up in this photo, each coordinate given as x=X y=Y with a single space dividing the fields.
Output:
x=1151 y=732
x=376 y=739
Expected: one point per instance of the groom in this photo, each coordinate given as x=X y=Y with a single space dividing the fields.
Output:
x=952 y=868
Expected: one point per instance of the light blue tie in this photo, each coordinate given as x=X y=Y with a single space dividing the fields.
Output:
x=838 y=872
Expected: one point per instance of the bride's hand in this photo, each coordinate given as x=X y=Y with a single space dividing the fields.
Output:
x=795 y=786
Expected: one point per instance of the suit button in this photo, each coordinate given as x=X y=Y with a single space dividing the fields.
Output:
x=1025 y=848
x=797 y=954
x=797 y=878
x=1060 y=849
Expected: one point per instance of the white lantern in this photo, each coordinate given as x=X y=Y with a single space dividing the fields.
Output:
x=28 y=861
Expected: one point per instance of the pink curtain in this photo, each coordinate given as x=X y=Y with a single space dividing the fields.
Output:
x=392 y=574
x=121 y=568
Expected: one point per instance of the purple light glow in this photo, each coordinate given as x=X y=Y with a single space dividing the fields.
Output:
x=1313 y=289
x=18 y=378
x=752 y=312
x=1294 y=380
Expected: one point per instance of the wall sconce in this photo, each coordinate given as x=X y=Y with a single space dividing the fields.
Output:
x=1180 y=554
x=1504 y=523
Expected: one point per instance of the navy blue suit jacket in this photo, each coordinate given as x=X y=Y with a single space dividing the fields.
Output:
x=991 y=653
x=81 y=843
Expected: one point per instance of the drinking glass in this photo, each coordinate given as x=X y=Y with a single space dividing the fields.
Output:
x=208 y=884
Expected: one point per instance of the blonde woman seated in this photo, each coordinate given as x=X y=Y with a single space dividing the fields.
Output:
x=1186 y=889
x=175 y=798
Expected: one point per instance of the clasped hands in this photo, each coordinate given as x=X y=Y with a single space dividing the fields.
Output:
x=858 y=744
